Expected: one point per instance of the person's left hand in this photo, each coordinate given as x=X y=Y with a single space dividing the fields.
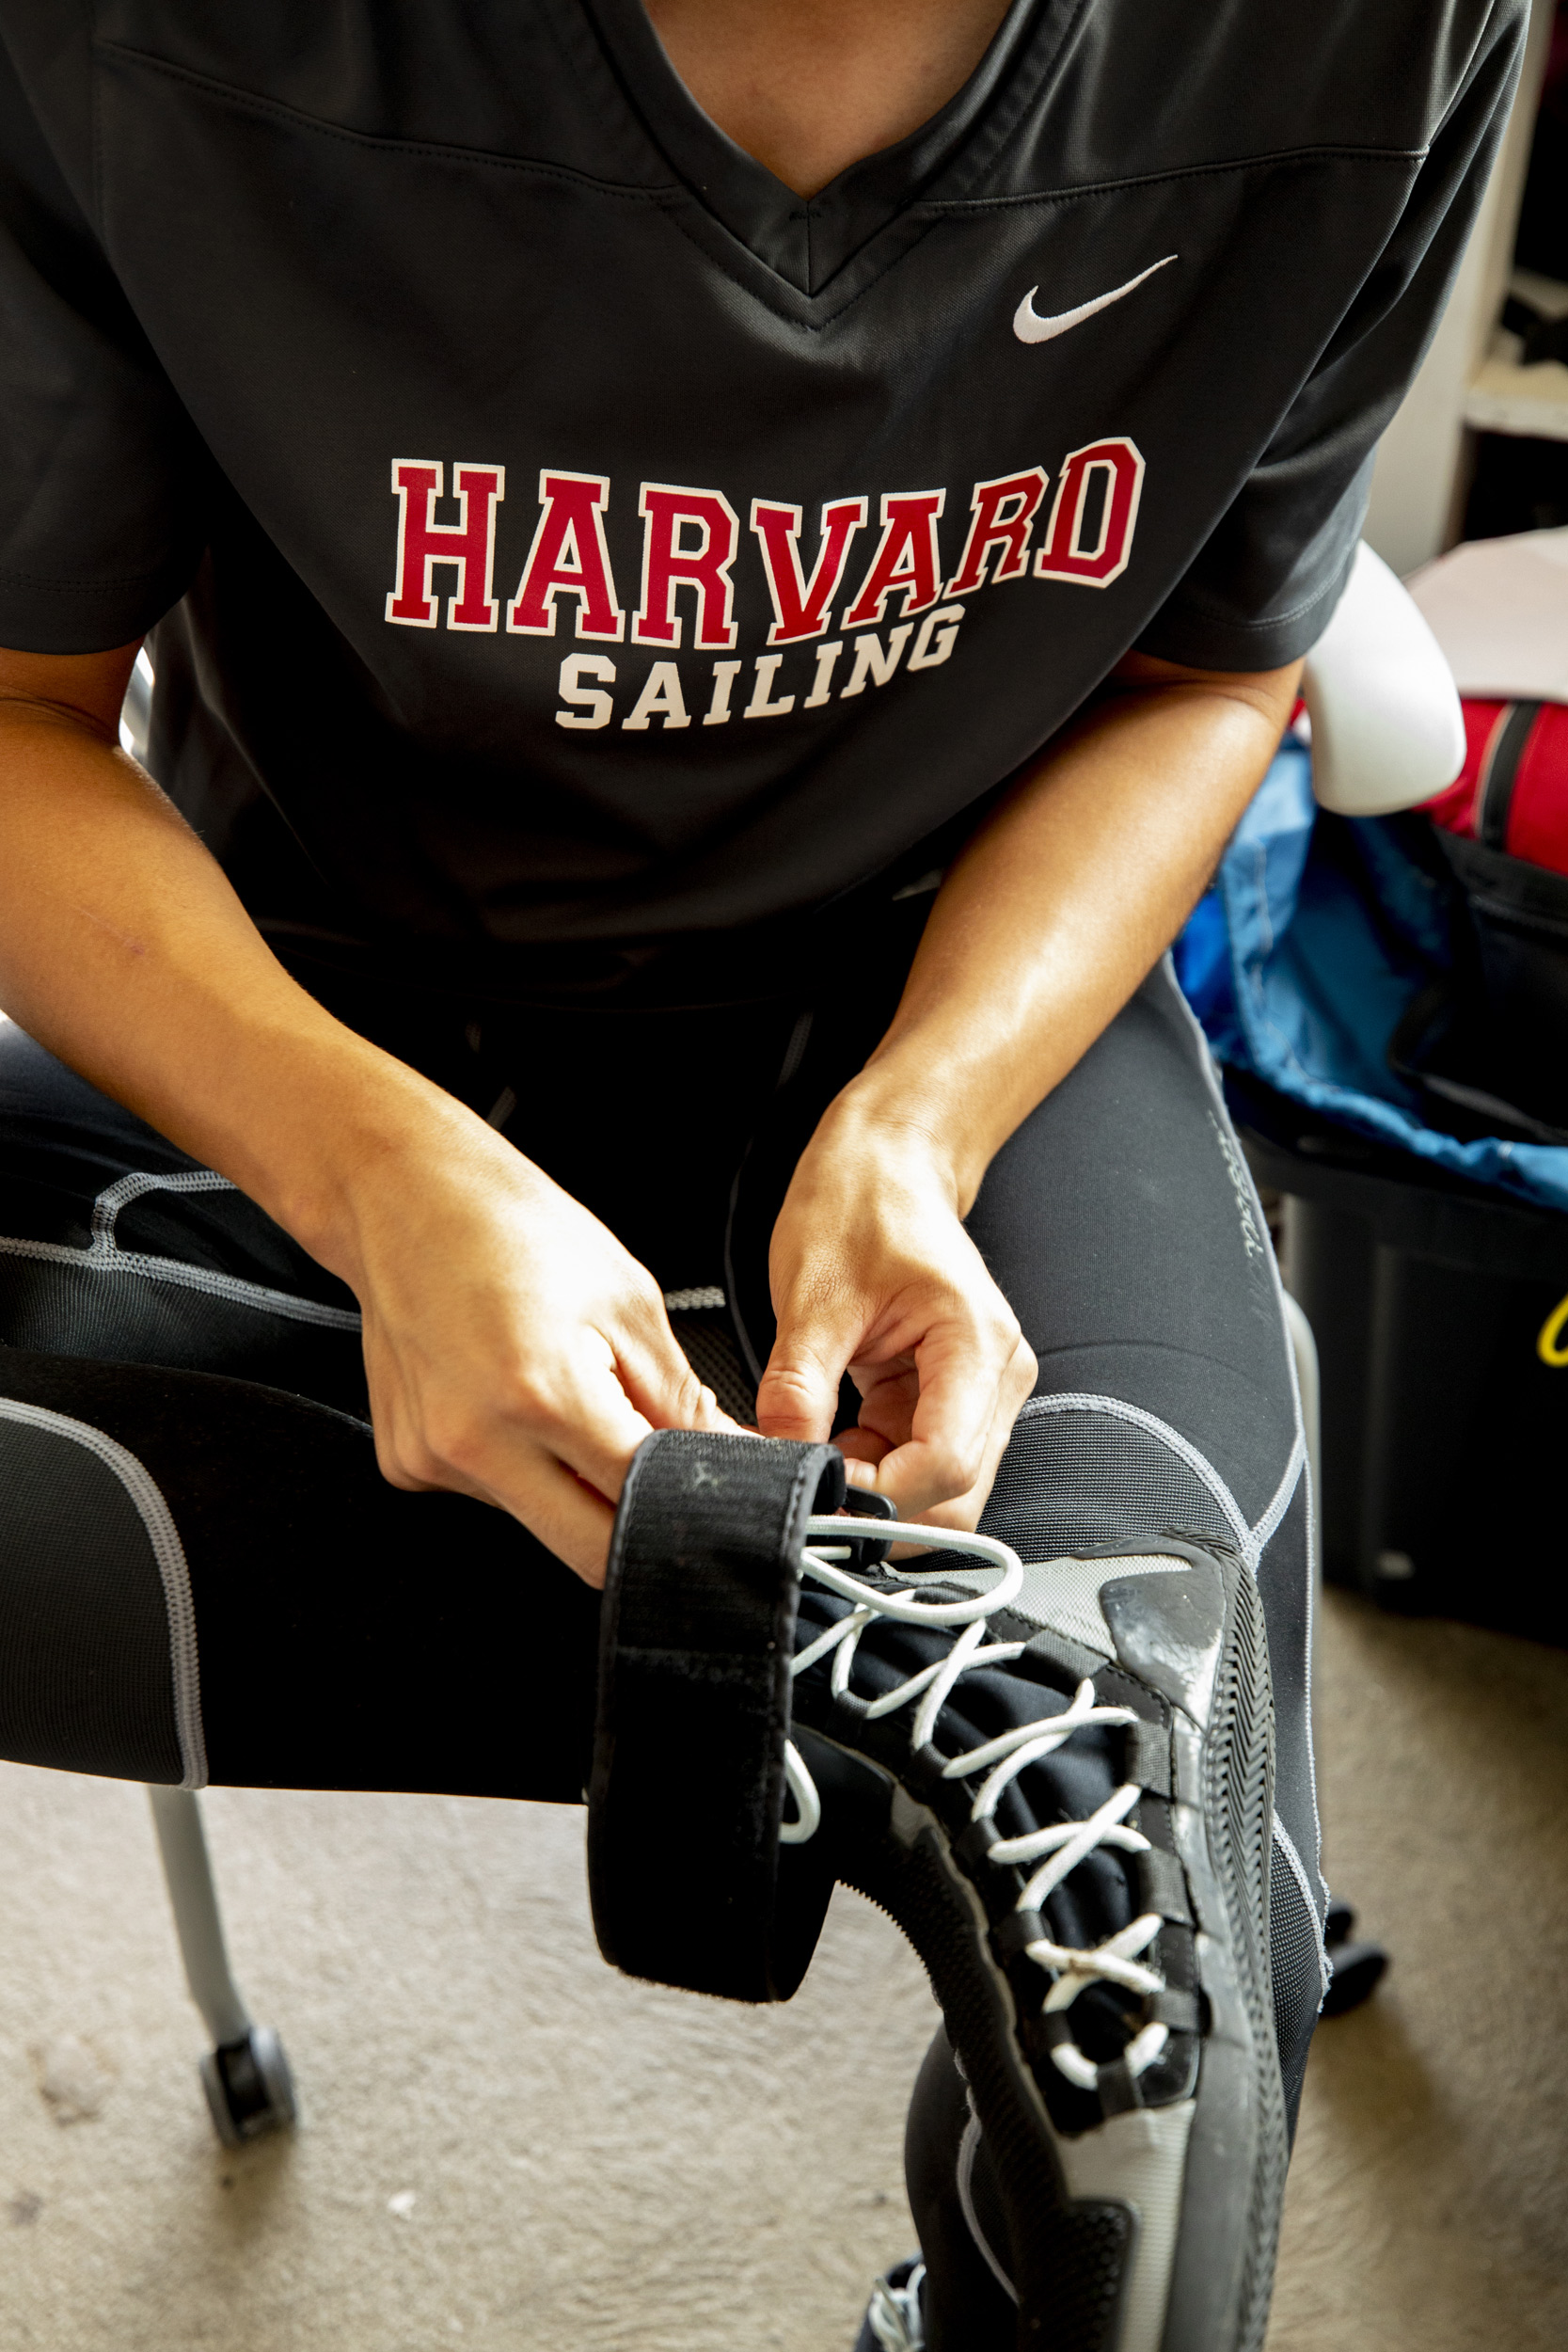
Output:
x=873 y=1273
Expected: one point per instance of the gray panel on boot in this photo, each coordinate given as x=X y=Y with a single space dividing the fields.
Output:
x=1168 y=1629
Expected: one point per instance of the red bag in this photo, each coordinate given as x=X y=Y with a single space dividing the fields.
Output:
x=1511 y=793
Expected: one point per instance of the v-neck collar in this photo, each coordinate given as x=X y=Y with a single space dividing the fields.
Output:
x=807 y=240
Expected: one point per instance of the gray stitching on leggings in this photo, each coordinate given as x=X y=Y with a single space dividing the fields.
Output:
x=1282 y=1496
x=191 y=1278
x=169 y=1553
x=1200 y=1464
x=104 y=1254
x=969 y=2148
x=125 y=1189
x=1211 y=1072
x=1287 y=1844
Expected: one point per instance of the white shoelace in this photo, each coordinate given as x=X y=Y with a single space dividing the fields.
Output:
x=1058 y=1850
x=894 y=2314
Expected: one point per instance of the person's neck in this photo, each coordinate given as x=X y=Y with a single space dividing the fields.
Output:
x=810 y=86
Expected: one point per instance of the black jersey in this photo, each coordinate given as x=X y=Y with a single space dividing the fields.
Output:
x=560 y=532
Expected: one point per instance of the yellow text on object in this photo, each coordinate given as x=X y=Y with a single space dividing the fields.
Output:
x=1550 y=1346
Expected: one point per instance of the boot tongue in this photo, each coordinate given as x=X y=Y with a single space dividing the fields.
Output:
x=1096 y=1899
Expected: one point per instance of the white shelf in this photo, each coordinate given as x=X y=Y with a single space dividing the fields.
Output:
x=1422 y=467
x=1503 y=397
x=1506 y=398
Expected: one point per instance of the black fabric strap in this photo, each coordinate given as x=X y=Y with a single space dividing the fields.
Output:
x=972 y=1847
x=1162 y=1886
x=1174 y=2006
x=1015 y=1930
x=1118 y=2089
x=688 y=1787
x=922 y=1775
x=1147 y=1755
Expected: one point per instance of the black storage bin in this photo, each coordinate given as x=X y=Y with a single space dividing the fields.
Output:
x=1445 y=1430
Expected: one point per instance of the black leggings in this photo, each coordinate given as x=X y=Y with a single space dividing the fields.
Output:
x=349 y=1636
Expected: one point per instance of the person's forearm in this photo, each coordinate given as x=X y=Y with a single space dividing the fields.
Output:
x=1059 y=906
x=124 y=950
x=514 y=1351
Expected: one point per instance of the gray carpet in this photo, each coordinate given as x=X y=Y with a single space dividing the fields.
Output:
x=503 y=2147
x=1428 y=2206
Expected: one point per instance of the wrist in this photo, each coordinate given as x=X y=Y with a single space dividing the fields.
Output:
x=353 y=1132
x=897 y=1113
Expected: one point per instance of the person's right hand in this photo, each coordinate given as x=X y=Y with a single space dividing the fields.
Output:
x=516 y=1351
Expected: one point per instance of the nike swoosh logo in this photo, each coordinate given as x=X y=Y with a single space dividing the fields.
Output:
x=1031 y=328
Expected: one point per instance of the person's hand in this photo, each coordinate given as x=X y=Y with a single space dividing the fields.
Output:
x=873 y=1273
x=516 y=1351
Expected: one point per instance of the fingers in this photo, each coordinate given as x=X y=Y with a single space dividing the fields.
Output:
x=959 y=1395
x=862 y=1450
x=572 y=1519
x=656 y=1377
x=862 y=1446
x=943 y=1369
x=652 y=1367
x=798 y=1394
x=551 y=1502
x=516 y=1351
x=940 y=1419
x=451 y=1423
x=908 y=1467
x=549 y=1439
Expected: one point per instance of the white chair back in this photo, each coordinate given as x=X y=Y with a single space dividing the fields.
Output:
x=1387 y=731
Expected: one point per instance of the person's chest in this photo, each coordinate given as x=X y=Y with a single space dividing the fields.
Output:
x=810 y=87
x=513 y=364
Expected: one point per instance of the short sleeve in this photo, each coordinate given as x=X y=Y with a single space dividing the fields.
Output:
x=1264 y=585
x=101 y=472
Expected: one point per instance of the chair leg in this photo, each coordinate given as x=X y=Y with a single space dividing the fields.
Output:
x=245 y=2074
x=177 y=1817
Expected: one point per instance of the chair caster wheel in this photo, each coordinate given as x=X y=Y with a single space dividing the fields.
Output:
x=1358 y=1967
x=249 y=2089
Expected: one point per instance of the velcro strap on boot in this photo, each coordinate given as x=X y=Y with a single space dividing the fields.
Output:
x=688 y=1787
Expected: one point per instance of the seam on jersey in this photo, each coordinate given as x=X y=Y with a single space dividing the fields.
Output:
x=67 y=584
x=931 y=212
x=1200 y=1464
x=253 y=102
x=939 y=205
x=1209 y=609
x=680 y=216
x=231 y=1286
x=1287 y=1844
x=173 y=1569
